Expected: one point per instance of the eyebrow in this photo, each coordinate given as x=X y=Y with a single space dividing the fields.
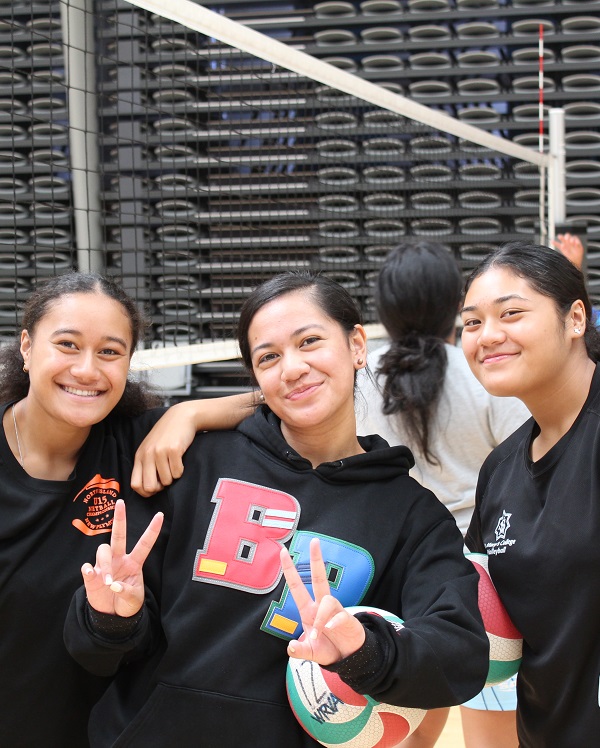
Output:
x=106 y=338
x=496 y=302
x=297 y=332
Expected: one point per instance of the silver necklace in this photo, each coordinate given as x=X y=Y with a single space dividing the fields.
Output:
x=17 y=435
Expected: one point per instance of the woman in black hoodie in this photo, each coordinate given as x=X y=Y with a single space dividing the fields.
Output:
x=198 y=652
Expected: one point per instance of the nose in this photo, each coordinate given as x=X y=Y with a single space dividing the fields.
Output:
x=85 y=367
x=490 y=333
x=293 y=366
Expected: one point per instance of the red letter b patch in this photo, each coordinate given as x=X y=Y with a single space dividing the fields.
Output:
x=249 y=525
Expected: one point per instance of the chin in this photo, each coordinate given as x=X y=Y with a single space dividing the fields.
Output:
x=502 y=393
x=499 y=389
x=89 y=414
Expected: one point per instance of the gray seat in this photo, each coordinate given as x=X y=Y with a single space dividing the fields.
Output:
x=431 y=200
x=334 y=9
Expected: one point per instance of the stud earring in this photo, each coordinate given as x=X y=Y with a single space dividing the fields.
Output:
x=360 y=362
x=25 y=369
x=577 y=330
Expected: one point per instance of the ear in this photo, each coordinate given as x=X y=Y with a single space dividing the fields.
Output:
x=577 y=319
x=25 y=347
x=358 y=345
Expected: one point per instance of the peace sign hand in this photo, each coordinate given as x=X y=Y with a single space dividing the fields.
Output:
x=115 y=585
x=330 y=632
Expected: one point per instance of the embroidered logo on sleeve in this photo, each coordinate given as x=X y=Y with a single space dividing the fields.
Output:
x=502 y=542
x=503 y=525
x=96 y=505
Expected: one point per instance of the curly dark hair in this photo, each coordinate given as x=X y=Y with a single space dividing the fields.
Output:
x=14 y=382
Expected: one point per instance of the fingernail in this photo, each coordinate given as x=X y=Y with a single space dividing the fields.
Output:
x=292 y=649
x=88 y=571
x=108 y=580
x=313 y=634
x=116 y=587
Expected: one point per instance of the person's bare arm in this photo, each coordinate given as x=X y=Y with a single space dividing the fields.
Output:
x=158 y=460
x=571 y=247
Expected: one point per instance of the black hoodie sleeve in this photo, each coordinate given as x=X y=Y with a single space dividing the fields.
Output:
x=102 y=643
x=440 y=656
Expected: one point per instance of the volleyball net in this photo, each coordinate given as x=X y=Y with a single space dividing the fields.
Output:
x=210 y=150
x=285 y=122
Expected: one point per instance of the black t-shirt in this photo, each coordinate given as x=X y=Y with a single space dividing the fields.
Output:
x=48 y=529
x=539 y=523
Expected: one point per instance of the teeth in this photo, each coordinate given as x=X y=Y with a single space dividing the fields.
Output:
x=81 y=393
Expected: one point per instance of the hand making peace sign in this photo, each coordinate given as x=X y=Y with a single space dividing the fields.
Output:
x=115 y=584
x=330 y=632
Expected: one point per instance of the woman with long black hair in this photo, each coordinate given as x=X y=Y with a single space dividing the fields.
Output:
x=424 y=395
x=529 y=332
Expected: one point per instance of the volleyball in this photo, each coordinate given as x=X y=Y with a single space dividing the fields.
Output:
x=506 y=643
x=335 y=715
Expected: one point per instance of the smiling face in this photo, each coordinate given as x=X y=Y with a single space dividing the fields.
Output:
x=78 y=359
x=305 y=362
x=514 y=338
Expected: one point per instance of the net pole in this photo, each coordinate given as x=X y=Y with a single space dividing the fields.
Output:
x=77 y=20
x=213 y=25
x=541 y=90
x=544 y=217
x=557 y=172
x=542 y=206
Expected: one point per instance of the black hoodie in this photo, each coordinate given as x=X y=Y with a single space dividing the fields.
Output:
x=205 y=665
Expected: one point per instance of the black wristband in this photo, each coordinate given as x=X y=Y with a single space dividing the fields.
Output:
x=111 y=626
x=362 y=664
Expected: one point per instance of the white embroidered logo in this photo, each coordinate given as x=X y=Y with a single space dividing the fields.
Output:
x=502 y=542
x=503 y=525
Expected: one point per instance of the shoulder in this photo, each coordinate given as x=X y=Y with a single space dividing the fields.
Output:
x=593 y=401
x=584 y=443
x=506 y=452
x=423 y=511
x=130 y=430
x=207 y=444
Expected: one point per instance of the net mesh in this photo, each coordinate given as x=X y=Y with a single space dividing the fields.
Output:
x=191 y=167
x=36 y=226
x=222 y=168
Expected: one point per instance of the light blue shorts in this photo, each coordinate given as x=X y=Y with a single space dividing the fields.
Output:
x=500 y=698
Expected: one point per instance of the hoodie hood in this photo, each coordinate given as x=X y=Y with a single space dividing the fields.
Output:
x=379 y=461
